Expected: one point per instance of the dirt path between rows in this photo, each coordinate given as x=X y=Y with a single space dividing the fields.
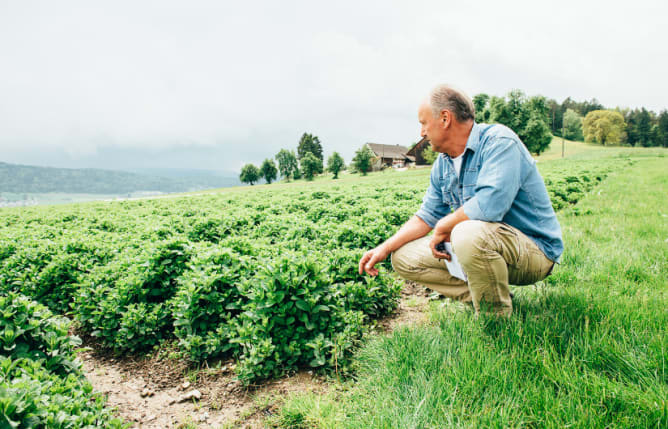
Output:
x=153 y=392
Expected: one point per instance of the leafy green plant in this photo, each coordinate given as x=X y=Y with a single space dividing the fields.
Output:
x=124 y=302
x=207 y=302
x=28 y=330
x=32 y=397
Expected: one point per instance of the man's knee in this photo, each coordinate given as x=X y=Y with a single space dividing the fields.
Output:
x=400 y=263
x=406 y=259
x=469 y=238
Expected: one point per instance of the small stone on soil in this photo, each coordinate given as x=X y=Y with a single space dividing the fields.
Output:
x=193 y=394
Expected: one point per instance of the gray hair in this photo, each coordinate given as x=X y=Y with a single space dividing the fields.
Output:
x=445 y=97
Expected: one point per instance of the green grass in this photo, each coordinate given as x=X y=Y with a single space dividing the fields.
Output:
x=586 y=348
x=580 y=150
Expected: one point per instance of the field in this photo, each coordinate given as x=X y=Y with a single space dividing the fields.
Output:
x=578 y=150
x=267 y=276
x=586 y=348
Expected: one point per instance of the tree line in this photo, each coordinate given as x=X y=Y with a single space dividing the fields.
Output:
x=535 y=119
x=306 y=163
x=586 y=120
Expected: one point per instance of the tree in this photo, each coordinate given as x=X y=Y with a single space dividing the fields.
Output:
x=507 y=113
x=362 y=160
x=573 y=125
x=297 y=173
x=537 y=105
x=662 y=123
x=556 y=116
x=335 y=164
x=249 y=174
x=310 y=165
x=631 y=128
x=536 y=135
x=603 y=126
x=268 y=170
x=480 y=102
x=644 y=127
x=529 y=118
x=287 y=163
x=590 y=106
x=310 y=143
x=429 y=155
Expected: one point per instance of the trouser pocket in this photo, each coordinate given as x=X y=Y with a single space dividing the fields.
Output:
x=533 y=266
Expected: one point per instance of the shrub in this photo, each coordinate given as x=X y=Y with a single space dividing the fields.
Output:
x=208 y=300
x=123 y=303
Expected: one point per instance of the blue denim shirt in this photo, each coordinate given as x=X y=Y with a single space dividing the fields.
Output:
x=498 y=182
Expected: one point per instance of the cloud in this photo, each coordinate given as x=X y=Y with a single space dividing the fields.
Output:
x=243 y=80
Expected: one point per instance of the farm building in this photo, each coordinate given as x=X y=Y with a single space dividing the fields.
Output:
x=416 y=151
x=390 y=155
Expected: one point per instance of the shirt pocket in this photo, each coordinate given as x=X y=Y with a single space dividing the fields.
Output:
x=470 y=178
x=446 y=191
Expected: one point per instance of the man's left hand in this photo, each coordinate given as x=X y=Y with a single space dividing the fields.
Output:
x=443 y=229
x=441 y=234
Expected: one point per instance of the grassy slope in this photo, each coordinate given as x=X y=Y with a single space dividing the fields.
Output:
x=579 y=150
x=587 y=348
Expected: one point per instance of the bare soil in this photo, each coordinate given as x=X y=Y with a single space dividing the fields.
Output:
x=148 y=391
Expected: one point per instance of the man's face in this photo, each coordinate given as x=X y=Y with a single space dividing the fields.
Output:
x=432 y=127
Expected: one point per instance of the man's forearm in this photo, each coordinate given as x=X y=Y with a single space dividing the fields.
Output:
x=448 y=223
x=413 y=229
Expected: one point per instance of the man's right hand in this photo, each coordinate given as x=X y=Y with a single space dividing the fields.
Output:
x=371 y=258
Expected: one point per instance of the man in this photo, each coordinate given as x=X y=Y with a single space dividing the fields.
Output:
x=487 y=198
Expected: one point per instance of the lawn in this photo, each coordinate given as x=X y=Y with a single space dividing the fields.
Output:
x=580 y=150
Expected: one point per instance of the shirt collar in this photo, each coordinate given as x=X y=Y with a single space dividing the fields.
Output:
x=474 y=138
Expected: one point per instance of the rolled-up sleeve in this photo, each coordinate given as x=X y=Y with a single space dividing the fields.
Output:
x=498 y=182
x=433 y=208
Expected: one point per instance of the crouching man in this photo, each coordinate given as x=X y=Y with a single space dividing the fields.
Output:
x=487 y=198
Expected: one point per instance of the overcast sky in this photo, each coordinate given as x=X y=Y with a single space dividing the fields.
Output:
x=216 y=84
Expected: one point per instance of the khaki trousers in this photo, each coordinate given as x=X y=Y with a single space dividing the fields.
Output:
x=492 y=256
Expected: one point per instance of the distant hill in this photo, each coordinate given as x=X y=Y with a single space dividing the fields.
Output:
x=31 y=179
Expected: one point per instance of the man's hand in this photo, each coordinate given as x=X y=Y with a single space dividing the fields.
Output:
x=443 y=229
x=440 y=235
x=371 y=258
x=413 y=229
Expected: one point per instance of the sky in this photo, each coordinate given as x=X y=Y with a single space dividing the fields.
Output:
x=218 y=84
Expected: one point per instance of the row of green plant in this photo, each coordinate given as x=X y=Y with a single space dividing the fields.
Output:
x=41 y=383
